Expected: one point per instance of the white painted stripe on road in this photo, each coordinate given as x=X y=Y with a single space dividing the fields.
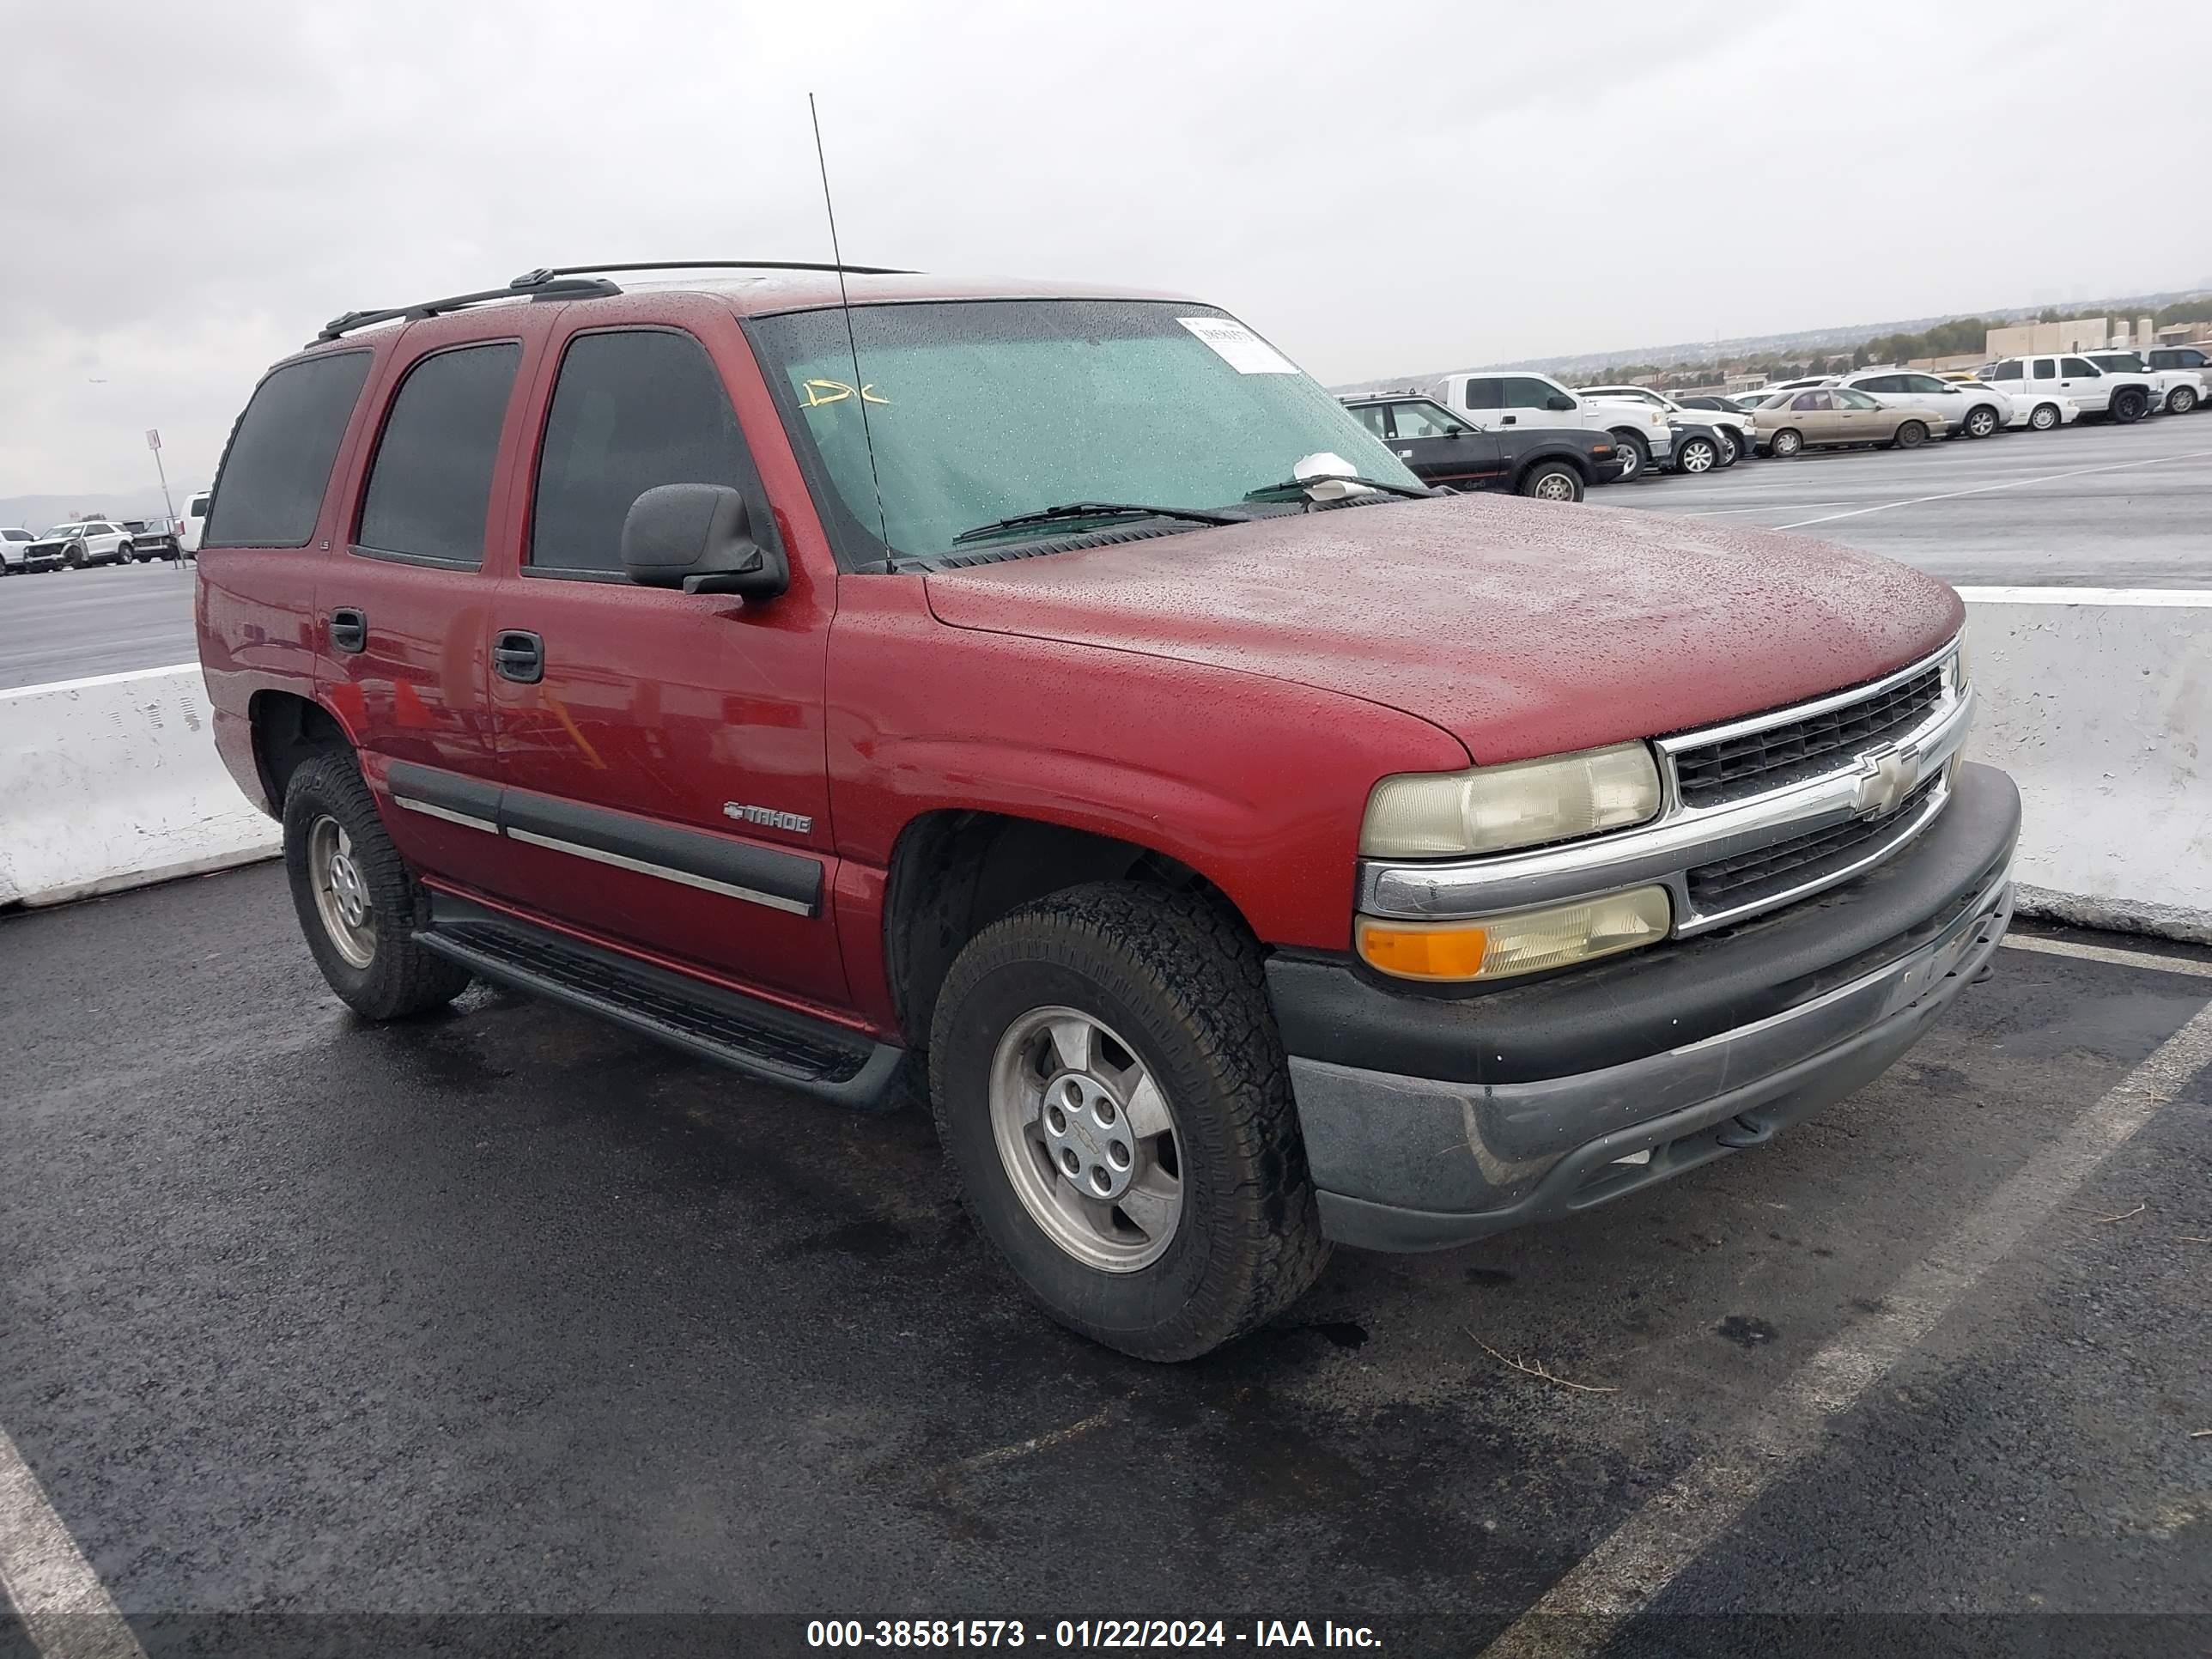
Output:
x=98 y=679
x=2118 y=957
x=1984 y=490
x=65 y=1609
x=2185 y=597
x=1580 y=1613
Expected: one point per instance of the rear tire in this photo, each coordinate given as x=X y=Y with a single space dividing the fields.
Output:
x=1635 y=454
x=358 y=903
x=1553 y=481
x=2181 y=400
x=1158 y=986
x=1785 y=444
x=2130 y=405
x=1911 y=435
x=2043 y=416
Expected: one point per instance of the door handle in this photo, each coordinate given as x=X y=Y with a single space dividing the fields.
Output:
x=348 y=630
x=1511 y=419
x=518 y=656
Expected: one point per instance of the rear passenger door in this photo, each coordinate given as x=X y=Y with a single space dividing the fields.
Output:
x=401 y=611
x=664 y=753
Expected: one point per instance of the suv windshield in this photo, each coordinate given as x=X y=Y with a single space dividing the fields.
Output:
x=980 y=410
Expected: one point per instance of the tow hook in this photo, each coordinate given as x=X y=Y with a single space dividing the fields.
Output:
x=1743 y=1131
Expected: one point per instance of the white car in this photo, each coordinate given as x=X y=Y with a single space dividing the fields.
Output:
x=13 y=545
x=2194 y=360
x=189 y=526
x=1974 y=411
x=2179 y=390
x=1734 y=428
x=2122 y=398
x=1491 y=402
x=84 y=542
x=2041 y=412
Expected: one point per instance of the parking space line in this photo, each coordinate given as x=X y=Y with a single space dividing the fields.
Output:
x=1581 y=1612
x=2119 y=957
x=1984 y=490
x=65 y=1609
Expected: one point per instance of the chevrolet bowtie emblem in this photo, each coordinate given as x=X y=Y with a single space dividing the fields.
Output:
x=1886 y=776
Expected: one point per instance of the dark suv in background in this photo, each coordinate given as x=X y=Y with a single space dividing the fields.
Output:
x=1552 y=464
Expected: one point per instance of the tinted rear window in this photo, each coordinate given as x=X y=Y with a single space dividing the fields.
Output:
x=270 y=487
x=196 y=507
x=429 y=491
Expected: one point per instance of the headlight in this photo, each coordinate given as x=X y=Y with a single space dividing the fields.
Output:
x=1526 y=942
x=1489 y=809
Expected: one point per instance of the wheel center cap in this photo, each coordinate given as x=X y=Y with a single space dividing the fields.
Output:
x=1088 y=1137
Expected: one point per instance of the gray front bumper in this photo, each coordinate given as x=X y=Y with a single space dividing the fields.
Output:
x=1413 y=1164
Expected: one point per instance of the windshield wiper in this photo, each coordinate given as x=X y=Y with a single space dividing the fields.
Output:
x=1298 y=486
x=1092 y=510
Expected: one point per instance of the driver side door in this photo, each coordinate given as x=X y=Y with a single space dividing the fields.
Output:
x=1441 y=448
x=663 y=753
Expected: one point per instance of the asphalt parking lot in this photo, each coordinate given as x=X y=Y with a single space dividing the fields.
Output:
x=2098 y=506
x=71 y=625
x=508 y=1312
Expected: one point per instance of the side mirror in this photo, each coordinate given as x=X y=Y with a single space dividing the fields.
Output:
x=1558 y=400
x=699 y=537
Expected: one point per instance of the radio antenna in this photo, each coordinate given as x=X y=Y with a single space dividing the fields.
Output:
x=851 y=345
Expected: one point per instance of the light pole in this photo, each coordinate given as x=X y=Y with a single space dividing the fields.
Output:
x=169 y=507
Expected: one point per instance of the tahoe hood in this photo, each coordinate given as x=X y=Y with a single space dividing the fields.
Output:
x=1521 y=629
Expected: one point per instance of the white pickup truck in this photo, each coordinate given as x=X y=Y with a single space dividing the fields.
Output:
x=2119 y=397
x=2177 y=390
x=1492 y=401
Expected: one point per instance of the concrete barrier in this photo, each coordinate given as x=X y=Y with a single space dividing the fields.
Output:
x=114 y=783
x=2098 y=701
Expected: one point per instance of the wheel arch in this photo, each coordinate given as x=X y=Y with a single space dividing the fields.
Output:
x=288 y=729
x=956 y=871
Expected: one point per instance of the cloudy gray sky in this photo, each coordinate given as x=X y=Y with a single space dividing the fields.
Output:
x=190 y=189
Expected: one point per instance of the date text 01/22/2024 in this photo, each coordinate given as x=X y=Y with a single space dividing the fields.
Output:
x=1101 y=1633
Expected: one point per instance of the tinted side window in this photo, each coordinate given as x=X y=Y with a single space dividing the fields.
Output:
x=1521 y=392
x=631 y=412
x=429 y=489
x=2044 y=369
x=2078 y=366
x=1372 y=416
x=270 y=490
x=1483 y=394
x=2007 y=372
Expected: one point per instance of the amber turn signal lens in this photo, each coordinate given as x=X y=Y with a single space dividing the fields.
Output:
x=1416 y=953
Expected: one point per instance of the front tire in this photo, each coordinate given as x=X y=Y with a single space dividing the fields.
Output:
x=1553 y=481
x=1635 y=454
x=1981 y=421
x=2181 y=400
x=1911 y=435
x=126 y=554
x=2130 y=405
x=1115 y=1107
x=1731 y=452
x=359 y=904
x=2043 y=416
x=1697 y=455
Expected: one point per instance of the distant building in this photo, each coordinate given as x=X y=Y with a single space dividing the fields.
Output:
x=2083 y=334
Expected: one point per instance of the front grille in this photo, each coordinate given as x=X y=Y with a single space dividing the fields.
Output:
x=1750 y=877
x=1712 y=773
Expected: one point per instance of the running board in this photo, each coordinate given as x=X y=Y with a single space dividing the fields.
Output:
x=742 y=1032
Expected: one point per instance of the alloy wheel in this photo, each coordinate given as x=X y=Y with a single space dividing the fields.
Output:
x=341 y=892
x=1087 y=1139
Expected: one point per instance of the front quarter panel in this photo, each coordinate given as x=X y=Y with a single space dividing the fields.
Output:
x=1258 y=784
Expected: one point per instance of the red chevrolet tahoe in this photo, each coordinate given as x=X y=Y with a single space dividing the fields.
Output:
x=1053 y=694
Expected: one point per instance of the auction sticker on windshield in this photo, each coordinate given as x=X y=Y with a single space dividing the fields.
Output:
x=1239 y=346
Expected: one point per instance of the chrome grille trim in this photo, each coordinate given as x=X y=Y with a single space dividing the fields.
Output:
x=1684 y=836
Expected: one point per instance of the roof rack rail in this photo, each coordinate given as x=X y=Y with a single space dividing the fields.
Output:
x=550 y=288
x=547 y=273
